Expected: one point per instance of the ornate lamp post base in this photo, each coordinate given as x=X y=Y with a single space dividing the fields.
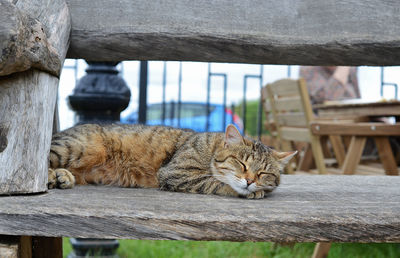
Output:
x=88 y=248
x=100 y=95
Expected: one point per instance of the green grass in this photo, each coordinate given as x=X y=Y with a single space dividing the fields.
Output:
x=172 y=249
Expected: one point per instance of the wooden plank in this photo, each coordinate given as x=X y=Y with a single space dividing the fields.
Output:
x=376 y=109
x=292 y=119
x=284 y=87
x=361 y=129
x=244 y=31
x=369 y=169
x=289 y=104
x=303 y=209
x=295 y=134
x=353 y=154
x=386 y=156
x=27 y=101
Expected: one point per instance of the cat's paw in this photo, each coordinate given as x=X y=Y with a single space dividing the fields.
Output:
x=256 y=195
x=60 y=178
x=52 y=181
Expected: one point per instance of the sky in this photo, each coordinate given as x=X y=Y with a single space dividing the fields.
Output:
x=194 y=82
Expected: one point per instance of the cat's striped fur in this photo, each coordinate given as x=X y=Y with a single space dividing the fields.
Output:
x=164 y=157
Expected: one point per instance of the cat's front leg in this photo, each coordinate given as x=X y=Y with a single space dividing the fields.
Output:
x=256 y=195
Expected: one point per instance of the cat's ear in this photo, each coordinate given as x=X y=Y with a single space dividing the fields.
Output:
x=232 y=136
x=284 y=157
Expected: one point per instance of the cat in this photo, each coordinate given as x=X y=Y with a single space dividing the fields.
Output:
x=164 y=157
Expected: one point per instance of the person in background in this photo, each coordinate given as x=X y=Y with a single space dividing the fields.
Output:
x=330 y=82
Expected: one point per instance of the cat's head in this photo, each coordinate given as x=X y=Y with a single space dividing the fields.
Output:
x=247 y=165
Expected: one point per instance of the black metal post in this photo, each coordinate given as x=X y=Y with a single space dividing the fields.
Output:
x=179 y=94
x=99 y=97
x=164 y=85
x=143 y=92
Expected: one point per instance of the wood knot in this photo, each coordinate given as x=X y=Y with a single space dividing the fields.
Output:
x=3 y=139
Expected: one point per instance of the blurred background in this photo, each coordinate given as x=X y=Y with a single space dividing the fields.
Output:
x=183 y=87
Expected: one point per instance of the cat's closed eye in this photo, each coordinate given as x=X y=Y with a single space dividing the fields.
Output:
x=243 y=166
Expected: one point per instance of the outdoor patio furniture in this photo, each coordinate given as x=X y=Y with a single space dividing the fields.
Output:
x=289 y=103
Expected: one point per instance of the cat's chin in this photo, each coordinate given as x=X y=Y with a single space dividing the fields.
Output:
x=241 y=191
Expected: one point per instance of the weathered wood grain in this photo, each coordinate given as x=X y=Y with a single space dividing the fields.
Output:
x=27 y=103
x=360 y=129
x=354 y=32
x=9 y=246
x=302 y=209
x=27 y=99
x=33 y=35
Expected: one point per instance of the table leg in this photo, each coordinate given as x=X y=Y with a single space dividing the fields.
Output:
x=353 y=156
x=338 y=148
x=386 y=156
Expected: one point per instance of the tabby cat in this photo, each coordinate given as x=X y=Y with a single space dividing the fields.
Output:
x=166 y=158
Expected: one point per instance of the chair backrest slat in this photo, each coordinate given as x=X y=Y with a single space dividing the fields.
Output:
x=295 y=119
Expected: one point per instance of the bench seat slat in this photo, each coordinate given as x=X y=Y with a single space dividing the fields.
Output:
x=302 y=209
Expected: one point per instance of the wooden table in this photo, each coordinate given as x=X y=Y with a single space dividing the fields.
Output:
x=360 y=108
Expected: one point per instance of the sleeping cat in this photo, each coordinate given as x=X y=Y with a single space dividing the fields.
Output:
x=166 y=158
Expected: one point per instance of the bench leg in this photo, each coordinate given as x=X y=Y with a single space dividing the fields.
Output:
x=47 y=247
x=30 y=247
x=321 y=250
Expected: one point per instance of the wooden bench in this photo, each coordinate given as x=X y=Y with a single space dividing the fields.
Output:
x=37 y=35
x=320 y=208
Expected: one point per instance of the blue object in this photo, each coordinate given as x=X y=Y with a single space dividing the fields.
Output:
x=193 y=116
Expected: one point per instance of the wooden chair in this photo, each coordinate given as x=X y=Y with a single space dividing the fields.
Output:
x=290 y=105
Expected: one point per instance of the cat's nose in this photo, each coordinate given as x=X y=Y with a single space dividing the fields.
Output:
x=249 y=181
